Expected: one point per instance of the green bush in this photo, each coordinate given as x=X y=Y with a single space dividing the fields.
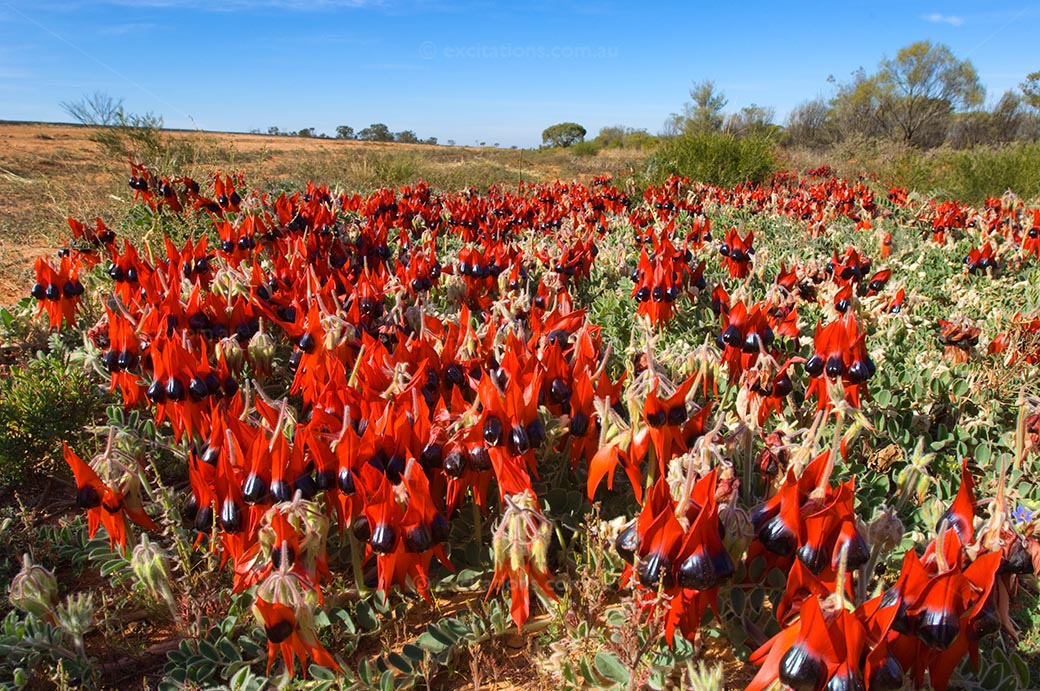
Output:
x=968 y=175
x=973 y=174
x=48 y=400
x=716 y=158
x=590 y=148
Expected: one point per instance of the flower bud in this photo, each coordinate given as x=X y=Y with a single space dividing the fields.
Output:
x=500 y=545
x=76 y=617
x=261 y=351
x=34 y=589
x=232 y=353
x=517 y=543
x=886 y=530
x=540 y=547
x=151 y=566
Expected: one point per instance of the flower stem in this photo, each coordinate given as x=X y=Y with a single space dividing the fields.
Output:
x=825 y=477
x=355 y=563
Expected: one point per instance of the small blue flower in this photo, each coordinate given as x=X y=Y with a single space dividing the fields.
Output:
x=1023 y=515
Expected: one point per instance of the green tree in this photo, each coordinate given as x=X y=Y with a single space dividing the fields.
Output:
x=406 y=137
x=376 y=132
x=703 y=113
x=809 y=124
x=921 y=87
x=856 y=108
x=563 y=134
x=1031 y=90
x=344 y=132
x=752 y=119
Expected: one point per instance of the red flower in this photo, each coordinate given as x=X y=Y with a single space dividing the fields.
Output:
x=738 y=252
x=840 y=356
x=58 y=290
x=285 y=635
x=104 y=505
x=886 y=246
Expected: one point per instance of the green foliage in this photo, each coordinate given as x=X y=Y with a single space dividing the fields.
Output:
x=974 y=174
x=590 y=148
x=621 y=137
x=715 y=158
x=31 y=647
x=910 y=98
x=376 y=132
x=703 y=113
x=49 y=399
x=229 y=652
x=563 y=134
x=1031 y=90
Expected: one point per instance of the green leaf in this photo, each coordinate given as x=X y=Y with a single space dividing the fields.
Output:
x=440 y=636
x=616 y=618
x=468 y=578
x=427 y=641
x=738 y=600
x=239 y=678
x=586 y=671
x=456 y=629
x=228 y=650
x=1022 y=670
x=398 y=661
x=413 y=652
x=776 y=579
x=366 y=672
x=611 y=668
x=322 y=673
x=387 y=681
x=366 y=617
x=348 y=623
x=758 y=599
x=210 y=652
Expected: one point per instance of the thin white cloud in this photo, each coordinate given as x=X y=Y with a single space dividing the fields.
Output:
x=937 y=18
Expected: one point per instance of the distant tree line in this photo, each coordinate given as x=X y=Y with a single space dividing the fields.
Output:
x=377 y=132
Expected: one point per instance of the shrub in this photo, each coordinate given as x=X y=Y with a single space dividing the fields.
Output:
x=715 y=158
x=48 y=400
x=973 y=174
x=585 y=148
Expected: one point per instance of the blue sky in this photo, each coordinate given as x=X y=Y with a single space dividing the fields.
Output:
x=471 y=71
